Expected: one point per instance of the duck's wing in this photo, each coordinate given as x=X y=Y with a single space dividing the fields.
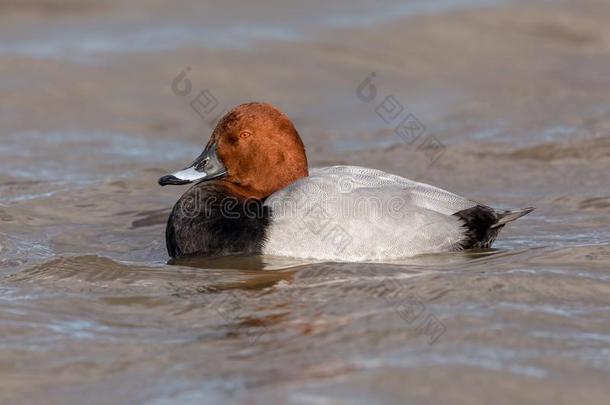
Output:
x=356 y=213
x=423 y=195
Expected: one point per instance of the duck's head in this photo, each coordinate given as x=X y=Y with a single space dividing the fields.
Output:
x=255 y=147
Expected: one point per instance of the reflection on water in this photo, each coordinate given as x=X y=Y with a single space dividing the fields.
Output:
x=92 y=307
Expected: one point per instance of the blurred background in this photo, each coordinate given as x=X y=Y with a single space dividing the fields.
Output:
x=502 y=101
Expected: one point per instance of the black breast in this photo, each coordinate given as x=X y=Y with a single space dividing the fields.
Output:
x=208 y=220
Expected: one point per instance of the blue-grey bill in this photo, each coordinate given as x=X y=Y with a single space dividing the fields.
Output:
x=207 y=166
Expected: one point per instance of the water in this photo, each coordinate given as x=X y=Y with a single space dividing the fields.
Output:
x=82 y=39
x=91 y=307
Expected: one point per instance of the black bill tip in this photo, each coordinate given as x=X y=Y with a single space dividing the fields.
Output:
x=172 y=180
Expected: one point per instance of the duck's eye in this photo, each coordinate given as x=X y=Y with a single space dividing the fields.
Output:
x=244 y=134
x=201 y=165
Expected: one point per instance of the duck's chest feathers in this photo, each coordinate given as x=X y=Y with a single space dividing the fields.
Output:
x=209 y=220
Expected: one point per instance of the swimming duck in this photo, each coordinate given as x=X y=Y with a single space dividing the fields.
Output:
x=254 y=194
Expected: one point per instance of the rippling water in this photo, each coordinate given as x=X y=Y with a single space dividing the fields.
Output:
x=90 y=306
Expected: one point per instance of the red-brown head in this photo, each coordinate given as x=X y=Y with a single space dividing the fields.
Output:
x=255 y=147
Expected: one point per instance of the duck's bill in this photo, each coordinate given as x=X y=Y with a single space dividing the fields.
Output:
x=207 y=166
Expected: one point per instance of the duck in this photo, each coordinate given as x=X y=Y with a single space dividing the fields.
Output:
x=253 y=193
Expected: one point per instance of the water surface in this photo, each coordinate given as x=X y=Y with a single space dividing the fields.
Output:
x=513 y=98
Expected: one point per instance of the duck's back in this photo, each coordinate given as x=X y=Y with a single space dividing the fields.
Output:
x=356 y=213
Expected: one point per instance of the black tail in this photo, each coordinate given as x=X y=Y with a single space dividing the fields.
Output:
x=483 y=223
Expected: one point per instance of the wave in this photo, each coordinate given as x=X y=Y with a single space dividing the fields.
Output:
x=592 y=148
